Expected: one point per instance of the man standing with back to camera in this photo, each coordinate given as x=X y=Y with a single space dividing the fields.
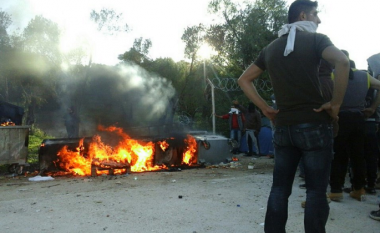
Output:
x=303 y=126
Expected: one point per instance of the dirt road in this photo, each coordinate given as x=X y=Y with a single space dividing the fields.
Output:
x=214 y=199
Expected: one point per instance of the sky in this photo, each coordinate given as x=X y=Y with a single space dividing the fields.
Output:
x=351 y=25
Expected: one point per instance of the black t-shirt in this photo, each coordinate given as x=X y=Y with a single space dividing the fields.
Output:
x=295 y=77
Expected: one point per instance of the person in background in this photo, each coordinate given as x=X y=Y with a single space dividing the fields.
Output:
x=371 y=146
x=252 y=126
x=72 y=123
x=266 y=137
x=375 y=214
x=352 y=63
x=374 y=69
x=303 y=126
x=236 y=123
x=372 y=154
x=349 y=145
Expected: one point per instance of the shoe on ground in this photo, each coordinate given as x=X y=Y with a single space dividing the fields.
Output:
x=370 y=190
x=302 y=186
x=335 y=196
x=357 y=194
x=248 y=154
x=375 y=215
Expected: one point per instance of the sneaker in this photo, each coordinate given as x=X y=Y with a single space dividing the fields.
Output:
x=370 y=190
x=336 y=196
x=375 y=215
x=302 y=186
x=357 y=194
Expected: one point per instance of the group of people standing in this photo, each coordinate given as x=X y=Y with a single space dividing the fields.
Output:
x=245 y=126
x=320 y=120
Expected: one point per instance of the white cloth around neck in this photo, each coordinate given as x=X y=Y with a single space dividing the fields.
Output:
x=290 y=29
x=234 y=110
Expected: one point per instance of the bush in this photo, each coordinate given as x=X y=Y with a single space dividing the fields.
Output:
x=35 y=138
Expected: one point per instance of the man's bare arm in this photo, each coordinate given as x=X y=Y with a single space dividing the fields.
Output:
x=342 y=66
x=245 y=82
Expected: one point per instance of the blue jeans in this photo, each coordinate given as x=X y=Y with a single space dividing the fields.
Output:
x=313 y=143
x=251 y=138
x=236 y=135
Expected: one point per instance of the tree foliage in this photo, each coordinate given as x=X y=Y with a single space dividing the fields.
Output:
x=237 y=38
x=109 y=21
x=5 y=22
x=42 y=37
x=245 y=31
x=138 y=53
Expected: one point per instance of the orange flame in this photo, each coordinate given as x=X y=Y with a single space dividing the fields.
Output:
x=7 y=123
x=138 y=154
x=164 y=145
x=188 y=155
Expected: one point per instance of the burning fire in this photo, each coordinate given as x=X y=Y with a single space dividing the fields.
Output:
x=7 y=123
x=164 y=145
x=191 y=149
x=139 y=155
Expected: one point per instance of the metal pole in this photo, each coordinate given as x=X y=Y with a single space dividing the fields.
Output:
x=204 y=71
x=213 y=105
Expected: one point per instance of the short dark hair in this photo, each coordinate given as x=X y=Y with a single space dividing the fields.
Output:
x=345 y=53
x=298 y=6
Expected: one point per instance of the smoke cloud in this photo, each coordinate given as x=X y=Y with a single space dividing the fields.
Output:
x=125 y=95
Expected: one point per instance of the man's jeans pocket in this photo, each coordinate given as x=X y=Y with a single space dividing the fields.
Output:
x=304 y=136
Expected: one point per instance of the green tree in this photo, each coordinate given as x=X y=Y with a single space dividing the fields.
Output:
x=41 y=40
x=245 y=31
x=42 y=37
x=192 y=99
x=5 y=22
x=239 y=37
x=138 y=53
x=108 y=21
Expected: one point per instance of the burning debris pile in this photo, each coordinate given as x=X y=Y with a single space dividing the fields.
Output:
x=118 y=153
x=7 y=122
